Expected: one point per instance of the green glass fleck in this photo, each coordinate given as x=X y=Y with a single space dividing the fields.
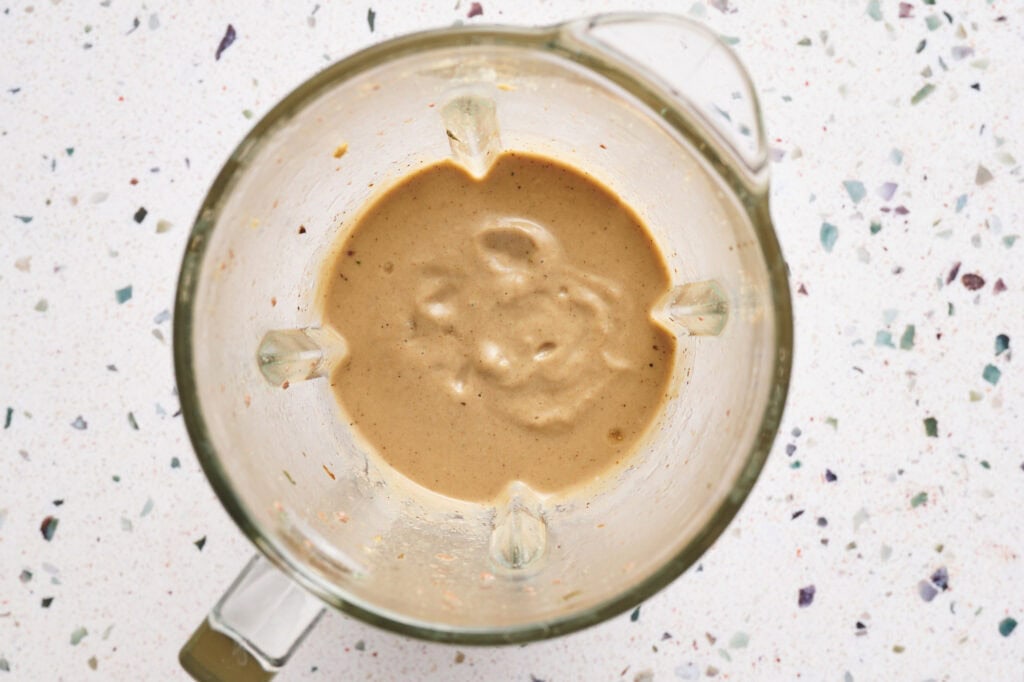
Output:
x=1009 y=240
x=874 y=10
x=855 y=188
x=829 y=236
x=78 y=635
x=795 y=464
x=49 y=527
x=974 y=396
x=876 y=227
x=739 y=640
x=884 y=338
x=932 y=21
x=1006 y=626
x=804 y=42
x=918 y=499
x=1002 y=344
x=931 y=427
x=124 y=294
x=925 y=90
x=991 y=374
x=907 y=340
x=896 y=156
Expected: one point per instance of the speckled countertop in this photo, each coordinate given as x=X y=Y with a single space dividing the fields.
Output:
x=885 y=537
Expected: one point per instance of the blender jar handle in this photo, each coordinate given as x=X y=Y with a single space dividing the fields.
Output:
x=254 y=628
x=693 y=66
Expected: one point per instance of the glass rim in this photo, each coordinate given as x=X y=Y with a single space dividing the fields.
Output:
x=639 y=85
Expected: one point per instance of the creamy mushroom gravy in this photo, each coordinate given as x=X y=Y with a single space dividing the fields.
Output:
x=499 y=328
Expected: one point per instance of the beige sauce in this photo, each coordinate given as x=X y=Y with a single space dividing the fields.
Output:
x=499 y=329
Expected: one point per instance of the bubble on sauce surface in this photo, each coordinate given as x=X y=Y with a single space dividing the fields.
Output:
x=545 y=350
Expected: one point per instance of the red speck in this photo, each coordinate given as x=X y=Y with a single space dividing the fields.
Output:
x=285 y=385
x=999 y=287
x=602 y=146
x=302 y=229
x=120 y=99
x=801 y=290
x=350 y=252
x=273 y=301
x=133 y=181
x=972 y=281
x=906 y=10
x=475 y=10
x=329 y=472
x=48 y=528
x=953 y=273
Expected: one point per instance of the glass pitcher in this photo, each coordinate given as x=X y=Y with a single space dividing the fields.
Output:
x=654 y=106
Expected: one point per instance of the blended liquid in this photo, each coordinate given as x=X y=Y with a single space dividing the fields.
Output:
x=499 y=329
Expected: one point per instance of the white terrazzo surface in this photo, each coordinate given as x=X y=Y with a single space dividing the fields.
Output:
x=97 y=119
